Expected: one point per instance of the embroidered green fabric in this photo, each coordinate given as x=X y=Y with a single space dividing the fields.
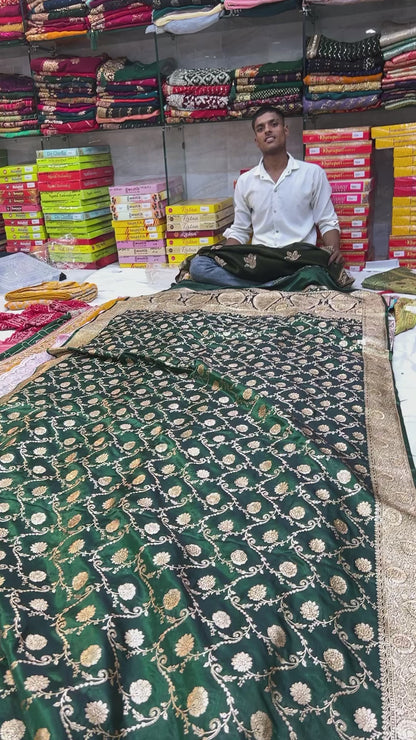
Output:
x=188 y=524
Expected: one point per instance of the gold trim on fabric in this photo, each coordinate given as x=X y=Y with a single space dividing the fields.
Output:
x=395 y=528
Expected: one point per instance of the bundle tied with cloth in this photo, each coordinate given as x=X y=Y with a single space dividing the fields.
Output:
x=289 y=268
x=15 y=300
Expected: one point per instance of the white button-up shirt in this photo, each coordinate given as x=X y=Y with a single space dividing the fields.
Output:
x=283 y=212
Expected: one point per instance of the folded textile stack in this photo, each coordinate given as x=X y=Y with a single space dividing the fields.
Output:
x=184 y=16
x=18 y=116
x=276 y=83
x=104 y=15
x=399 y=74
x=54 y=19
x=21 y=208
x=139 y=220
x=346 y=156
x=68 y=290
x=66 y=87
x=342 y=76
x=3 y=239
x=402 y=240
x=197 y=95
x=196 y=223
x=75 y=199
x=127 y=94
x=11 y=21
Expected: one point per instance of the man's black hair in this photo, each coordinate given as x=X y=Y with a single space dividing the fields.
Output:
x=267 y=109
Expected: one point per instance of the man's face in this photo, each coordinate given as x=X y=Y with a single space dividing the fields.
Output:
x=270 y=133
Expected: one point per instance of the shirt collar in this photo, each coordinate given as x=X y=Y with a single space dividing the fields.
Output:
x=292 y=164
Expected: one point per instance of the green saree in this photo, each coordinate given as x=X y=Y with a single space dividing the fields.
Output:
x=207 y=526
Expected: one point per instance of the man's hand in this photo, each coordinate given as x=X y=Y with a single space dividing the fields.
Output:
x=336 y=257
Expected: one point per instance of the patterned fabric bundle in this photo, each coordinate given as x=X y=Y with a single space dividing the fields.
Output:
x=66 y=290
x=66 y=87
x=11 y=21
x=35 y=317
x=275 y=83
x=342 y=76
x=184 y=16
x=399 y=75
x=127 y=93
x=52 y=19
x=17 y=105
x=107 y=14
x=197 y=94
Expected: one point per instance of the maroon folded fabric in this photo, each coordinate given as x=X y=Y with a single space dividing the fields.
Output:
x=120 y=19
x=68 y=65
x=11 y=10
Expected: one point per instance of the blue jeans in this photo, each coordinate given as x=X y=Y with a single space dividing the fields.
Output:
x=206 y=270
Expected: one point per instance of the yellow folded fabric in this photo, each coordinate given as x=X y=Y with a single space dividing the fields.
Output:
x=404 y=314
x=67 y=290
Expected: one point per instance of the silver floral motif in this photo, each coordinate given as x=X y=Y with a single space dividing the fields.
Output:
x=250 y=261
x=301 y=693
x=292 y=256
x=338 y=584
x=242 y=662
x=334 y=659
x=96 y=712
x=12 y=729
x=140 y=691
x=221 y=619
x=309 y=610
x=36 y=683
x=257 y=593
x=365 y=719
x=364 y=632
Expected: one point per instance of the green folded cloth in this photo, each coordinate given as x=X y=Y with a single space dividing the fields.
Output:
x=399 y=280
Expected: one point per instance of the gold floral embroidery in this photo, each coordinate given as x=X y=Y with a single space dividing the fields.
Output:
x=197 y=701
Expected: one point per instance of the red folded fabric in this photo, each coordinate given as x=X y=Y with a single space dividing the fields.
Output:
x=73 y=65
x=35 y=317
